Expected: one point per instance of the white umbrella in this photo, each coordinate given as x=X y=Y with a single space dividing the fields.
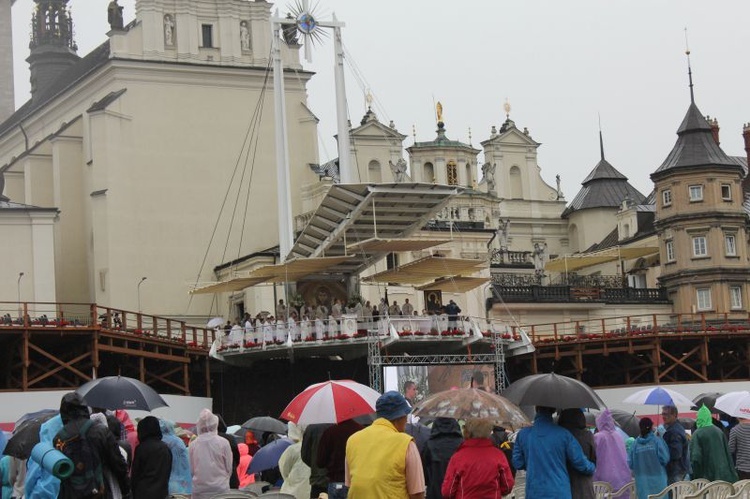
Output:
x=215 y=322
x=657 y=395
x=735 y=404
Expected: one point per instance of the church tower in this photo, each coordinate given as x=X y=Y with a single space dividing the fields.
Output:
x=700 y=222
x=53 y=49
x=6 y=60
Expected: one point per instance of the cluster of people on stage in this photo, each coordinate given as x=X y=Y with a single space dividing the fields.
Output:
x=317 y=322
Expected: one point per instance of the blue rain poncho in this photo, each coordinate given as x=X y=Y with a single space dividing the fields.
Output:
x=180 y=480
x=5 y=477
x=543 y=451
x=39 y=483
x=648 y=459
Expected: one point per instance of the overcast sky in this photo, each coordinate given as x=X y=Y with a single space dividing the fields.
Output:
x=560 y=64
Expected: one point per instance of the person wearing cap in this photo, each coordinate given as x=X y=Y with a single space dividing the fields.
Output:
x=382 y=462
x=648 y=459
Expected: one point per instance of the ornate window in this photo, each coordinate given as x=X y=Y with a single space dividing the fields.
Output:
x=452 y=171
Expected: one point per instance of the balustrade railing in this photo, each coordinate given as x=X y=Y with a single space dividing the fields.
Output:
x=523 y=292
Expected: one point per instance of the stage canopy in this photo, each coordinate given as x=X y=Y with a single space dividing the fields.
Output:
x=582 y=260
x=427 y=269
x=457 y=284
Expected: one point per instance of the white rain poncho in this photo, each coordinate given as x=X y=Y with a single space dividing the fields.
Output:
x=210 y=458
x=295 y=472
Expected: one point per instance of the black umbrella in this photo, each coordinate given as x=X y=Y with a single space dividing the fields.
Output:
x=120 y=392
x=708 y=399
x=553 y=390
x=265 y=424
x=26 y=434
x=627 y=421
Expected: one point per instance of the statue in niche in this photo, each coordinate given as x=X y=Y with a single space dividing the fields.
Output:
x=488 y=171
x=244 y=36
x=540 y=257
x=398 y=169
x=168 y=30
x=502 y=231
x=114 y=15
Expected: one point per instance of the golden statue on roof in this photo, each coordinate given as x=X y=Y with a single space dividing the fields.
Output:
x=439 y=109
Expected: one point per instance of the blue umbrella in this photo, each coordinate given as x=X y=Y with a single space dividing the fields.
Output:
x=268 y=456
x=658 y=396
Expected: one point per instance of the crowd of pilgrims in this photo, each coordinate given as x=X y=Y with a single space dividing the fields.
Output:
x=307 y=321
x=560 y=458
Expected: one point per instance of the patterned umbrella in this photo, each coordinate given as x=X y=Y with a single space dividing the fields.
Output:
x=331 y=402
x=467 y=403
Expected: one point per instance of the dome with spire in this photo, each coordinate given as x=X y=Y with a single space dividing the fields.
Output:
x=604 y=187
x=695 y=147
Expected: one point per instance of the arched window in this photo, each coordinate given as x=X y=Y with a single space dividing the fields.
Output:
x=516 y=185
x=469 y=176
x=373 y=171
x=452 y=172
x=625 y=231
x=428 y=173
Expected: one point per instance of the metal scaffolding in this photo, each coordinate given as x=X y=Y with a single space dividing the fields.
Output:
x=376 y=360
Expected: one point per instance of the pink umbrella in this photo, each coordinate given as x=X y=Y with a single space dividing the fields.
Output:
x=331 y=402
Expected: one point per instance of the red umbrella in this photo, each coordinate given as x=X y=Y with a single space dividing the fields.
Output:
x=331 y=402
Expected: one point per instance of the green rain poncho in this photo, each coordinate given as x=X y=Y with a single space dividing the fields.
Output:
x=709 y=453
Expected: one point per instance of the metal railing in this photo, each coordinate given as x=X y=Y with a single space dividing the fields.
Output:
x=90 y=315
x=637 y=326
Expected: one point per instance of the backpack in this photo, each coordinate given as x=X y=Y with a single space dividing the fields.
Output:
x=87 y=480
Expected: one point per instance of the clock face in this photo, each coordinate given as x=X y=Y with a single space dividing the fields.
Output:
x=306 y=23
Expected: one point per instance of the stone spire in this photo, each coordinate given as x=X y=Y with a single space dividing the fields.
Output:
x=53 y=49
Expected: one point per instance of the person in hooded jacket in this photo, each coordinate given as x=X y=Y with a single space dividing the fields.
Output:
x=573 y=420
x=152 y=462
x=648 y=459
x=478 y=469
x=543 y=451
x=39 y=483
x=180 y=480
x=234 y=481
x=5 y=477
x=245 y=460
x=445 y=437
x=75 y=414
x=611 y=454
x=709 y=451
x=210 y=458
x=295 y=472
